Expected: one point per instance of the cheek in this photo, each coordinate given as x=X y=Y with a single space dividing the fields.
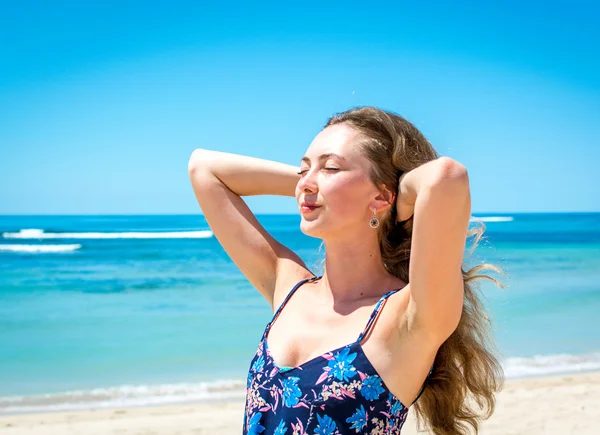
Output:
x=347 y=198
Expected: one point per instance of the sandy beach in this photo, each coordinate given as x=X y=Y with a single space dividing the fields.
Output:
x=568 y=404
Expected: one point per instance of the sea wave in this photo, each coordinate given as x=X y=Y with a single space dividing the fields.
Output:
x=492 y=218
x=124 y=396
x=39 y=249
x=163 y=394
x=35 y=233
x=541 y=365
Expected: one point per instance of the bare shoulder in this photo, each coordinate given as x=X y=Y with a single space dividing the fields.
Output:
x=290 y=271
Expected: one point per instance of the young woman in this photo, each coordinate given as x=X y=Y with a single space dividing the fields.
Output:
x=394 y=221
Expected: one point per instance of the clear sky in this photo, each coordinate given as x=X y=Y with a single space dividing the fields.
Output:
x=102 y=104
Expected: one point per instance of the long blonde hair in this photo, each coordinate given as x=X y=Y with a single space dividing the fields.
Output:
x=466 y=374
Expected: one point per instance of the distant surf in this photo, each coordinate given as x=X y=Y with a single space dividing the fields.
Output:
x=39 y=249
x=39 y=234
x=492 y=219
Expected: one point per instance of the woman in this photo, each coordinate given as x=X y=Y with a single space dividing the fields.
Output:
x=394 y=220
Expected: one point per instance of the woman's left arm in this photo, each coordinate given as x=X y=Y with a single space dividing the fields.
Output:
x=438 y=195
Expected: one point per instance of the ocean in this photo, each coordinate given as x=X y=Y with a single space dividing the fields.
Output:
x=99 y=311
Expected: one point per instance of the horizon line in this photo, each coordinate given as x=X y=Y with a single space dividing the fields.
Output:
x=503 y=213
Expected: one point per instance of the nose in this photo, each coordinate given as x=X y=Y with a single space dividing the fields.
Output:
x=308 y=183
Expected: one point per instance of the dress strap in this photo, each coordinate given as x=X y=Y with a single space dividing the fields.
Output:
x=287 y=298
x=424 y=385
x=375 y=313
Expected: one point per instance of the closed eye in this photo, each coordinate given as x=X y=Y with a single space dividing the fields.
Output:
x=304 y=171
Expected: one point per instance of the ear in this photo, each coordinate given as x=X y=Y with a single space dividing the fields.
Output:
x=384 y=200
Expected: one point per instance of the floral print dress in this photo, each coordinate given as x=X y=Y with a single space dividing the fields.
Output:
x=336 y=393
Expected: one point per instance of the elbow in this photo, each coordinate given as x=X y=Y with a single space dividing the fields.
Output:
x=200 y=171
x=204 y=167
x=198 y=161
x=451 y=170
x=193 y=161
x=450 y=180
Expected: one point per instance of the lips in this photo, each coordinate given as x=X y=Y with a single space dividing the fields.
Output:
x=308 y=206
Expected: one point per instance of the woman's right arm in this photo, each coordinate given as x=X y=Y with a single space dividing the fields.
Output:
x=219 y=180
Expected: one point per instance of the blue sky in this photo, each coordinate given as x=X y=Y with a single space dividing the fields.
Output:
x=101 y=105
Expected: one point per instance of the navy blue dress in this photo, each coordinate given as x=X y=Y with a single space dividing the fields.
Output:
x=339 y=392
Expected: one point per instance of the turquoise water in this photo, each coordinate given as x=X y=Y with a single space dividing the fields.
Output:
x=98 y=310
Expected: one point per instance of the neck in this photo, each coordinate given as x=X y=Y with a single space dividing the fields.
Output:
x=354 y=269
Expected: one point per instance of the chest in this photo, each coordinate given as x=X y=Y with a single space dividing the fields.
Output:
x=301 y=333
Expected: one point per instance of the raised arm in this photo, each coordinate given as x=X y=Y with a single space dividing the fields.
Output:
x=219 y=180
x=438 y=193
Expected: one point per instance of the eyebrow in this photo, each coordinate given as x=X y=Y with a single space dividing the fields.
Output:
x=323 y=157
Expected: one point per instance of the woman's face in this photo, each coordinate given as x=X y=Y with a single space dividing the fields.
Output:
x=334 y=192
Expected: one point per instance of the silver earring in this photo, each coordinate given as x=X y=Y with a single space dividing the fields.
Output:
x=374 y=222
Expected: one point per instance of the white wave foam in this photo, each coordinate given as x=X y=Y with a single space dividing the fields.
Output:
x=124 y=396
x=35 y=233
x=142 y=395
x=492 y=219
x=550 y=364
x=35 y=249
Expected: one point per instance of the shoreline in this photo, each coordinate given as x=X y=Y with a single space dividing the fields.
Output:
x=557 y=404
x=129 y=396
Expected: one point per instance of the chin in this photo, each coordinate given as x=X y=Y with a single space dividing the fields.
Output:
x=312 y=228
